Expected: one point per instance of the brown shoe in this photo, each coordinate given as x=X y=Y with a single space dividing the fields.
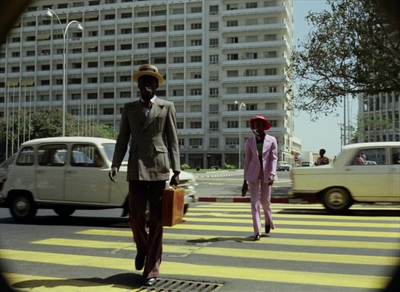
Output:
x=139 y=261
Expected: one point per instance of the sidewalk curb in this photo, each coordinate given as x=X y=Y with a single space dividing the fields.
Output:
x=247 y=200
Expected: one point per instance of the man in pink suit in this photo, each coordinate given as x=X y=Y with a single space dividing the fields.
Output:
x=260 y=172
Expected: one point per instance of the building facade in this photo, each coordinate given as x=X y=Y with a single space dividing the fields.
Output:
x=384 y=106
x=223 y=61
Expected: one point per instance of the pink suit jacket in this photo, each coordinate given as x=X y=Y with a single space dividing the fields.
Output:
x=252 y=163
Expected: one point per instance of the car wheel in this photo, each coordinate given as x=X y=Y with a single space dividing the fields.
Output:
x=337 y=200
x=22 y=208
x=64 y=211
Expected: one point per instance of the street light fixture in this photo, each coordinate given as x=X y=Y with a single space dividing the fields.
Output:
x=242 y=104
x=51 y=14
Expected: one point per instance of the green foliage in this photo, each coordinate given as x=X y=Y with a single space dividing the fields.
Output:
x=229 y=166
x=198 y=168
x=21 y=126
x=185 y=166
x=367 y=121
x=351 y=51
x=216 y=167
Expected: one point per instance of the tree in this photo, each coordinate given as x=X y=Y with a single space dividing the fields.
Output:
x=352 y=51
x=21 y=126
x=370 y=128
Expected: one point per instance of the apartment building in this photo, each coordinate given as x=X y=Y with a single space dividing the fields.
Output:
x=223 y=60
x=384 y=106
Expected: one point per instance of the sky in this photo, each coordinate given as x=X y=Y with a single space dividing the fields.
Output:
x=324 y=133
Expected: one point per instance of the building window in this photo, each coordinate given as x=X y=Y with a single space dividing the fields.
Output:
x=160 y=44
x=272 y=89
x=195 y=43
x=108 y=111
x=272 y=54
x=75 y=65
x=213 y=9
x=233 y=107
x=232 y=124
x=196 y=26
x=270 y=37
x=270 y=20
x=195 y=142
x=213 y=59
x=93 y=33
x=45 y=82
x=109 y=16
x=108 y=79
x=126 y=79
x=15 y=54
x=125 y=94
x=30 y=38
x=231 y=7
x=196 y=9
x=251 y=89
x=251 y=56
x=214 y=92
x=126 y=15
x=30 y=53
x=232 y=90
x=194 y=59
x=92 y=50
x=214 y=126
x=92 y=80
x=143 y=46
x=233 y=40
x=92 y=65
x=274 y=123
x=126 y=31
x=251 y=72
x=195 y=108
x=126 y=46
x=109 y=32
x=213 y=43
x=160 y=28
x=195 y=91
x=252 y=21
x=45 y=67
x=214 y=109
x=270 y=3
x=178 y=60
x=179 y=27
x=177 y=92
x=231 y=23
x=251 y=107
x=179 y=125
x=214 y=26
x=214 y=142
x=232 y=73
x=108 y=63
x=271 y=71
x=108 y=95
x=233 y=57
x=76 y=96
x=109 y=48
x=143 y=29
x=76 y=50
x=29 y=68
x=92 y=95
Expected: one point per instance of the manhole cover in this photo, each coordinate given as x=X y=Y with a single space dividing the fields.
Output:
x=171 y=285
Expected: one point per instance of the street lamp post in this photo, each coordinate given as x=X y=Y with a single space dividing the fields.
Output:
x=51 y=14
x=242 y=104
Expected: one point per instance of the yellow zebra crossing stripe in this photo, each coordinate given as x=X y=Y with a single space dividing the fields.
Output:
x=209 y=271
x=238 y=253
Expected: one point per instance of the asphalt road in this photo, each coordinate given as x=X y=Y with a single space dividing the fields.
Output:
x=310 y=250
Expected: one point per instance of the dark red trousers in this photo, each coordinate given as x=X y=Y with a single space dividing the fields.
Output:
x=148 y=243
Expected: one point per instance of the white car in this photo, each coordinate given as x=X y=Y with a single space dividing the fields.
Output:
x=347 y=180
x=70 y=173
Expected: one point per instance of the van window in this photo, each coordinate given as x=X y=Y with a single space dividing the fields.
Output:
x=49 y=155
x=26 y=156
x=86 y=155
x=395 y=156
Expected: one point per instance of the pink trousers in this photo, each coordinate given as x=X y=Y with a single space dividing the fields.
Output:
x=260 y=194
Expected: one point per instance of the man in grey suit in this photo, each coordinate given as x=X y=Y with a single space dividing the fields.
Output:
x=149 y=125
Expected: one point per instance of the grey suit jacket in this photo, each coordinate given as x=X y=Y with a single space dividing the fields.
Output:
x=154 y=141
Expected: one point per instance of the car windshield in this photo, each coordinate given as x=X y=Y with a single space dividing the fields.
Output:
x=8 y=163
x=109 y=149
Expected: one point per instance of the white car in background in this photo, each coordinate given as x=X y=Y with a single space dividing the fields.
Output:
x=70 y=173
x=346 y=181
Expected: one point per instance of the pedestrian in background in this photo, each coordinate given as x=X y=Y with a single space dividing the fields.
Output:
x=260 y=172
x=322 y=160
x=149 y=124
